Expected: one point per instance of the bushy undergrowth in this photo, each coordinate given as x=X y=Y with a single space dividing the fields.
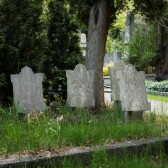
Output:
x=71 y=127
x=157 y=86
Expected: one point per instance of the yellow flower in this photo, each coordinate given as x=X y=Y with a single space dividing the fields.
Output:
x=105 y=69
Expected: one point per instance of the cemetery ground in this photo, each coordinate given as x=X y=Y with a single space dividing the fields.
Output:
x=67 y=128
x=157 y=97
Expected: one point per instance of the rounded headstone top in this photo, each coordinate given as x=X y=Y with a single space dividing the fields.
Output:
x=83 y=38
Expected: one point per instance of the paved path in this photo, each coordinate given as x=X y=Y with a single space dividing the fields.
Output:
x=159 y=107
x=107 y=95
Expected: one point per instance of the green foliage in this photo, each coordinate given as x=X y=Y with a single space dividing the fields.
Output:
x=3 y=80
x=21 y=42
x=142 y=47
x=43 y=34
x=63 y=44
x=118 y=45
x=152 y=9
x=157 y=86
x=83 y=8
x=40 y=34
x=115 y=40
x=109 y=46
x=114 y=44
x=20 y=38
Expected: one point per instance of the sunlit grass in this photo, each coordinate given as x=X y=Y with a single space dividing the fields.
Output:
x=158 y=97
x=72 y=127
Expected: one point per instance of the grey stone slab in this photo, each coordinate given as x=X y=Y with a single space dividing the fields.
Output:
x=107 y=81
x=129 y=27
x=159 y=107
x=128 y=87
x=150 y=77
x=80 y=91
x=128 y=32
x=28 y=90
x=83 y=44
x=116 y=56
x=83 y=38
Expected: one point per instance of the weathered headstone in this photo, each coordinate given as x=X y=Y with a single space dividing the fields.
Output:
x=128 y=87
x=83 y=44
x=128 y=32
x=150 y=77
x=80 y=91
x=129 y=27
x=83 y=38
x=27 y=90
x=116 y=56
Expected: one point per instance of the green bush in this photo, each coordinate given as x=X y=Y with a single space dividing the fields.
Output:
x=142 y=48
x=157 y=86
x=63 y=45
x=21 y=40
x=2 y=80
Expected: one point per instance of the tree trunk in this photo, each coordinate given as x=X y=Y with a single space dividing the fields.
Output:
x=97 y=34
x=165 y=55
x=159 y=56
x=165 y=62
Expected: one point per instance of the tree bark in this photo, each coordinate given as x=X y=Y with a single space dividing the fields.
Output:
x=165 y=62
x=159 y=56
x=99 y=21
x=165 y=54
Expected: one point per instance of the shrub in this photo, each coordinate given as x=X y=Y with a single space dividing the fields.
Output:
x=142 y=48
x=157 y=86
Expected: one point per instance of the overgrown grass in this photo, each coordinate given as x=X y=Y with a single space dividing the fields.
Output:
x=103 y=161
x=72 y=127
x=158 y=97
x=134 y=162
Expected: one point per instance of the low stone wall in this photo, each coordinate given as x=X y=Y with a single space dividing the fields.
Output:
x=150 y=77
x=84 y=155
x=157 y=93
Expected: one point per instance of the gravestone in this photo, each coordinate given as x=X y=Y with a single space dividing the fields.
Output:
x=80 y=90
x=83 y=44
x=129 y=27
x=150 y=77
x=128 y=87
x=27 y=90
x=107 y=59
x=83 y=38
x=116 y=56
x=128 y=32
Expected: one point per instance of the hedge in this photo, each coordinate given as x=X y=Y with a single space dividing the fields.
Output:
x=157 y=86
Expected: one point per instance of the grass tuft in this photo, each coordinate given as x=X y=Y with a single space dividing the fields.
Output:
x=72 y=127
